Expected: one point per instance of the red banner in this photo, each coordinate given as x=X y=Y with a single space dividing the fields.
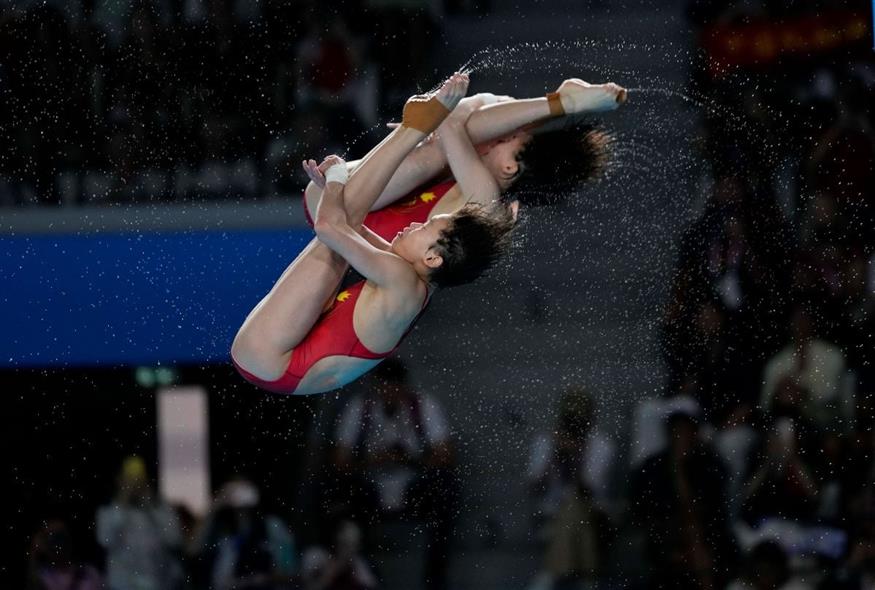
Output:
x=761 y=44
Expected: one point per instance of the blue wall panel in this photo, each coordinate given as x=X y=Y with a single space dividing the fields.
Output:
x=133 y=298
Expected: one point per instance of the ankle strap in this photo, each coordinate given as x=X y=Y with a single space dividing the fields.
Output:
x=424 y=114
x=555 y=102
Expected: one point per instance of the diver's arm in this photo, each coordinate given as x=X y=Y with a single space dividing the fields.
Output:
x=475 y=180
x=495 y=120
x=333 y=230
x=373 y=239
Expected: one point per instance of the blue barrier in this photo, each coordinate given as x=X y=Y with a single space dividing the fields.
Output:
x=134 y=298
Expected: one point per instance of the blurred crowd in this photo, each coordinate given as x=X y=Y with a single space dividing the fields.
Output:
x=754 y=471
x=390 y=462
x=769 y=333
x=158 y=100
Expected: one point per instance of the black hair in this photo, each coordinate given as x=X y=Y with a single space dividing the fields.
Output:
x=471 y=244
x=555 y=162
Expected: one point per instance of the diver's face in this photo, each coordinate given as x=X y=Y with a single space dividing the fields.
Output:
x=415 y=242
x=501 y=157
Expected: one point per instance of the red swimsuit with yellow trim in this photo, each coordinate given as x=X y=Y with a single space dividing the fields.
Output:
x=413 y=208
x=333 y=335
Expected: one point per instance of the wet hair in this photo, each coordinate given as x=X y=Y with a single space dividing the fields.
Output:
x=555 y=162
x=471 y=244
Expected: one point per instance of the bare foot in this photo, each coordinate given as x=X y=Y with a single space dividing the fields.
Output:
x=453 y=90
x=424 y=112
x=578 y=96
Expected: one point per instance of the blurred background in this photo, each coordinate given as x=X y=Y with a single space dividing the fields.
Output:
x=668 y=385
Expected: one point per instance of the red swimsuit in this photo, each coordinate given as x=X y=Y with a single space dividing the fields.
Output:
x=413 y=208
x=333 y=335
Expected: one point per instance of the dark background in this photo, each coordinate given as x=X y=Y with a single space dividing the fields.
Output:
x=186 y=125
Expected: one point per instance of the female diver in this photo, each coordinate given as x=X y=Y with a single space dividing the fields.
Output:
x=301 y=338
x=513 y=148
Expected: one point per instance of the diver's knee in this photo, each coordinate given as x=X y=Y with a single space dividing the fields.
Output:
x=240 y=347
x=257 y=358
x=247 y=349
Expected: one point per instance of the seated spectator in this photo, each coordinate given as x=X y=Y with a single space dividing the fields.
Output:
x=140 y=534
x=52 y=565
x=818 y=367
x=678 y=498
x=239 y=546
x=340 y=567
x=569 y=473
x=781 y=483
x=394 y=456
x=822 y=449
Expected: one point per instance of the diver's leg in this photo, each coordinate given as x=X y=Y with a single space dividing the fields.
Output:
x=501 y=116
x=573 y=96
x=375 y=170
x=427 y=160
x=285 y=315
x=282 y=319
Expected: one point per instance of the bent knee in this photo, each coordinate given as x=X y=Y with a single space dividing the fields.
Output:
x=255 y=356
x=242 y=351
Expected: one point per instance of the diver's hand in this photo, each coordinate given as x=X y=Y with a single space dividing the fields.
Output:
x=317 y=173
x=578 y=96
